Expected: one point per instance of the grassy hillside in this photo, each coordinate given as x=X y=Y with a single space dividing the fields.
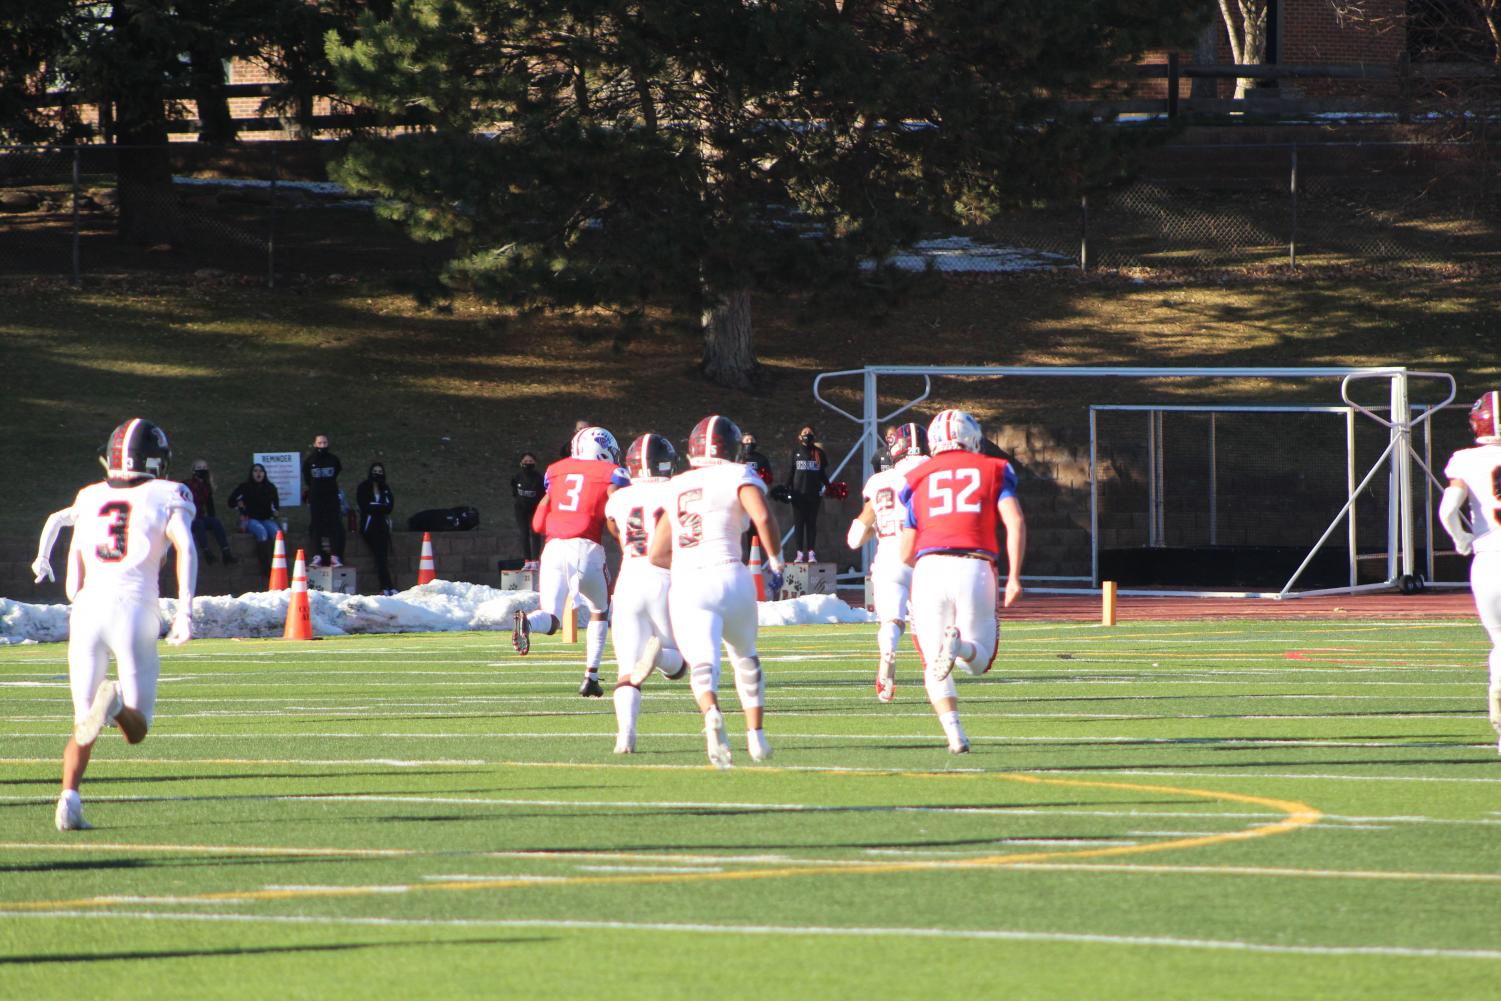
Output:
x=449 y=399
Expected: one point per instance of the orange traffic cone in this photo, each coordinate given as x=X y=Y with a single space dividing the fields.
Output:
x=754 y=565
x=426 y=570
x=279 y=565
x=299 y=618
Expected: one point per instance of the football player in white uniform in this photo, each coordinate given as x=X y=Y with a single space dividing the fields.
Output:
x=884 y=516
x=1475 y=481
x=121 y=530
x=712 y=596
x=639 y=625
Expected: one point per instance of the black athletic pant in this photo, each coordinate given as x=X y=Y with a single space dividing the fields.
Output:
x=325 y=529
x=377 y=535
x=804 y=521
x=531 y=542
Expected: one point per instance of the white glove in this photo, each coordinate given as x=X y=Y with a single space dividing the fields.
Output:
x=1464 y=543
x=181 y=631
x=42 y=567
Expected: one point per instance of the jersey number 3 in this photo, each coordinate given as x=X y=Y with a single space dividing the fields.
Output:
x=573 y=483
x=942 y=498
x=116 y=528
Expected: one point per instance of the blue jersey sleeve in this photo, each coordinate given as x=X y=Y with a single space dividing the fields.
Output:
x=909 y=518
x=619 y=477
x=1008 y=483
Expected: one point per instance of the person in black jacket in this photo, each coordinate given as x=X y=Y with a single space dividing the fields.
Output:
x=320 y=477
x=258 y=501
x=375 y=502
x=527 y=488
x=751 y=456
x=807 y=475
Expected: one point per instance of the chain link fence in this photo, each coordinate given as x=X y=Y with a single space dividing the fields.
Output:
x=263 y=211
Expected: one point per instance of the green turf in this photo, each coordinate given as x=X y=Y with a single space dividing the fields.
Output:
x=1162 y=810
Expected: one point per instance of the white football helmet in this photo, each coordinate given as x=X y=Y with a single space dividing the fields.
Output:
x=954 y=429
x=595 y=443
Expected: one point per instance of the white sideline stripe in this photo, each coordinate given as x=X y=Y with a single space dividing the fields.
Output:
x=646 y=868
x=520 y=877
x=977 y=934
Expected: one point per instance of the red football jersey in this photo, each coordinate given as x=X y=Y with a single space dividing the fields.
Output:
x=576 y=493
x=952 y=501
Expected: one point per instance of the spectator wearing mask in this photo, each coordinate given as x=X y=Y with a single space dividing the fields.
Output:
x=527 y=488
x=375 y=502
x=258 y=502
x=320 y=478
x=807 y=475
x=201 y=483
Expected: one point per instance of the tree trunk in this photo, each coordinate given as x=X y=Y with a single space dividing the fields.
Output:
x=149 y=213
x=729 y=355
x=215 y=123
x=1206 y=54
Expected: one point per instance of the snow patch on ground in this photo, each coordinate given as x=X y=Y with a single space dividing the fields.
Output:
x=442 y=606
x=960 y=253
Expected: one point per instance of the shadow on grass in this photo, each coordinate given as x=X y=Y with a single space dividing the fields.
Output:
x=270 y=950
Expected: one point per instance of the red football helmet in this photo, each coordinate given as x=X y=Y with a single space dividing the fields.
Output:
x=905 y=440
x=650 y=457
x=1483 y=416
x=714 y=439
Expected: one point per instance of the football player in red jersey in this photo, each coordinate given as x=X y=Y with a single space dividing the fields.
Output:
x=121 y=530
x=1475 y=483
x=953 y=502
x=572 y=517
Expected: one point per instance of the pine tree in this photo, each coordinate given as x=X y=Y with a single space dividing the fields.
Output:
x=689 y=152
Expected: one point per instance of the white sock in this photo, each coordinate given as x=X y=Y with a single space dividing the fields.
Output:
x=952 y=727
x=71 y=797
x=542 y=622
x=939 y=690
x=627 y=708
x=888 y=636
x=594 y=644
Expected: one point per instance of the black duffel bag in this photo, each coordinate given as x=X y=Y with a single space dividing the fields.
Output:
x=444 y=519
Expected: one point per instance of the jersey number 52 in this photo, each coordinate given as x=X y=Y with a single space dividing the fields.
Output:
x=953 y=491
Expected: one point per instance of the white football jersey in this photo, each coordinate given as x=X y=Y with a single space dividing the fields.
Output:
x=703 y=506
x=633 y=511
x=120 y=534
x=1480 y=470
x=883 y=493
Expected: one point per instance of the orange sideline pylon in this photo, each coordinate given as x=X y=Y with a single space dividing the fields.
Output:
x=279 y=565
x=754 y=566
x=299 y=618
x=570 y=623
x=426 y=570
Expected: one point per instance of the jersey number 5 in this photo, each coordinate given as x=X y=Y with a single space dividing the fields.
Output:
x=117 y=528
x=691 y=521
x=942 y=498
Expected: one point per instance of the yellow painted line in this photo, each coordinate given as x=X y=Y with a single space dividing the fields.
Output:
x=1295 y=815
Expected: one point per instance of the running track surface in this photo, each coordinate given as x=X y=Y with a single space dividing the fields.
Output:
x=1086 y=607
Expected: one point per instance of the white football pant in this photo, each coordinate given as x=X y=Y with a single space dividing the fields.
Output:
x=1485 y=584
x=710 y=606
x=569 y=567
x=638 y=612
x=127 y=627
x=954 y=591
x=892 y=591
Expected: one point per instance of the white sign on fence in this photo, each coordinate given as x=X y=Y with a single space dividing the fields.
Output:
x=285 y=470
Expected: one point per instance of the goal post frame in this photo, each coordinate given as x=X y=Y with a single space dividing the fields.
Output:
x=1400 y=452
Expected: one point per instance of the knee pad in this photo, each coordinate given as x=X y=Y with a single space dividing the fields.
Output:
x=671 y=663
x=704 y=680
x=944 y=689
x=750 y=683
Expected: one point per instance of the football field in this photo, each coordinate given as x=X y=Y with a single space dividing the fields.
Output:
x=1208 y=809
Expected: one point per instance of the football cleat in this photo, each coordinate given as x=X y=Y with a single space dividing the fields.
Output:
x=954 y=429
x=595 y=443
x=102 y=712
x=136 y=448
x=713 y=440
x=959 y=745
x=760 y=747
x=625 y=745
x=1484 y=415
x=521 y=633
x=718 y=741
x=906 y=439
x=650 y=457
x=647 y=662
x=69 y=816
x=591 y=688
x=886 y=678
x=948 y=653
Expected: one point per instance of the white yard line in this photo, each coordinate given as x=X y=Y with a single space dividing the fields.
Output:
x=803 y=931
